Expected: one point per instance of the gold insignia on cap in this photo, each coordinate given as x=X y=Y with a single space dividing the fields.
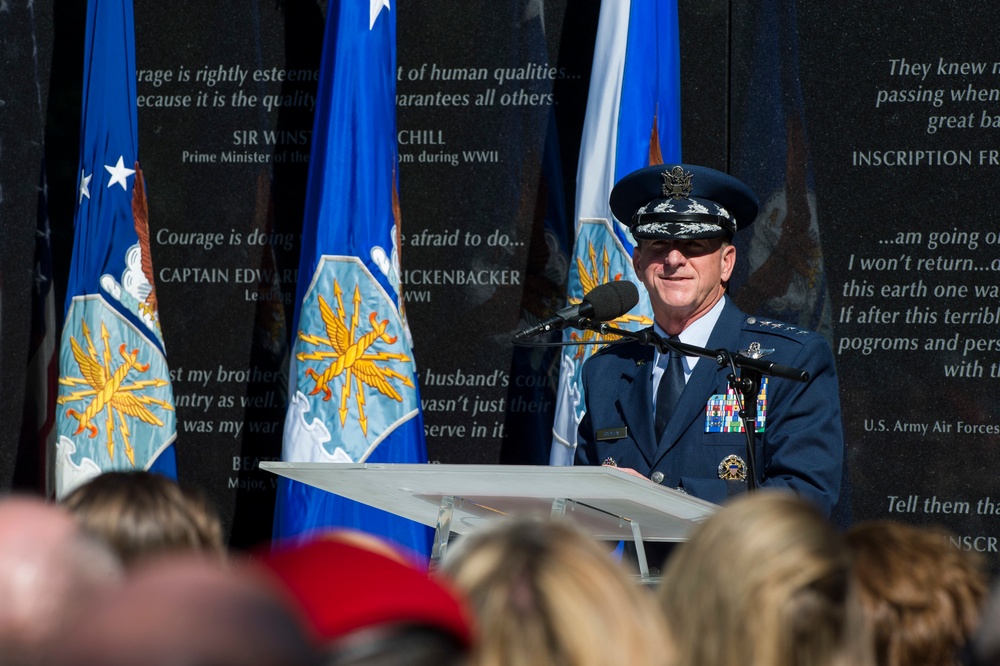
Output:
x=677 y=183
x=732 y=468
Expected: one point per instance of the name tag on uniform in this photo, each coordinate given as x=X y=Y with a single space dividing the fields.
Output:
x=722 y=412
x=611 y=434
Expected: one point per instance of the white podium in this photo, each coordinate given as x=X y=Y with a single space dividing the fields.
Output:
x=605 y=502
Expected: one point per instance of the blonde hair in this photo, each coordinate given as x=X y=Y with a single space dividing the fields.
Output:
x=922 y=596
x=545 y=593
x=765 y=582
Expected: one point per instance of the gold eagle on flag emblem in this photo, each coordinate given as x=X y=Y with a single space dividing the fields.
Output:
x=109 y=390
x=352 y=356
x=591 y=277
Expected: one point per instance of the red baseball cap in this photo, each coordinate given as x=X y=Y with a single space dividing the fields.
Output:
x=345 y=581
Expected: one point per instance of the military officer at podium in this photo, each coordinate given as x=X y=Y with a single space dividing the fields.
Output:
x=673 y=419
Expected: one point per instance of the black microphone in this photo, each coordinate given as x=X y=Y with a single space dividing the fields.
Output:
x=602 y=303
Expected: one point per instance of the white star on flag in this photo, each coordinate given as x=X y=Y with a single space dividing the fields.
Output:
x=376 y=7
x=40 y=278
x=84 y=185
x=119 y=173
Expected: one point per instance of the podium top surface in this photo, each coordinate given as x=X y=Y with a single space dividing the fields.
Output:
x=604 y=501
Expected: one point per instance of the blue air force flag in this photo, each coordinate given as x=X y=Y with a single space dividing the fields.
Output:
x=353 y=396
x=114 y=408
x=632 y=120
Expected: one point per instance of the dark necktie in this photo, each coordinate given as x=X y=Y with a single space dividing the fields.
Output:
x=669 y=391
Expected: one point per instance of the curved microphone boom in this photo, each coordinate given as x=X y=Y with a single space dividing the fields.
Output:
x=602 y=303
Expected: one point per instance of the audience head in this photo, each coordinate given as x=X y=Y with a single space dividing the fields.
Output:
x=49 y=568
x=765 y=582
x=368 y=604
x=545 y=593
x=985 y=645
x=142 y=514
x=186 y=609
x=921 y=596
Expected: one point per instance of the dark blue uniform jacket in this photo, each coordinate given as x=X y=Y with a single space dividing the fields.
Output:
x=801 y=448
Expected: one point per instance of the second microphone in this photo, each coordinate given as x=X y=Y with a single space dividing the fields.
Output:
x=602 y=303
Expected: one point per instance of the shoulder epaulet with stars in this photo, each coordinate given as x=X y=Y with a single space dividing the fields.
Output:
x=774 y=325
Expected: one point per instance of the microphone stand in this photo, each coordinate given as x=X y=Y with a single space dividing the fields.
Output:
x=748 y=384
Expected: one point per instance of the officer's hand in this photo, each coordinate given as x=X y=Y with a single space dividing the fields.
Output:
x=629 y=470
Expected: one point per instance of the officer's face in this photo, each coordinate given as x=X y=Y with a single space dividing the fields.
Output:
x=684 y=278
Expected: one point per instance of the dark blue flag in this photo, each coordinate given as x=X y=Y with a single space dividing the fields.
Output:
x=115 y=405
x=352 y=391
x=781 y=273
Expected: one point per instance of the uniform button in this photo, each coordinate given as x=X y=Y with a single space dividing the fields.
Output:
x=657 y=477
